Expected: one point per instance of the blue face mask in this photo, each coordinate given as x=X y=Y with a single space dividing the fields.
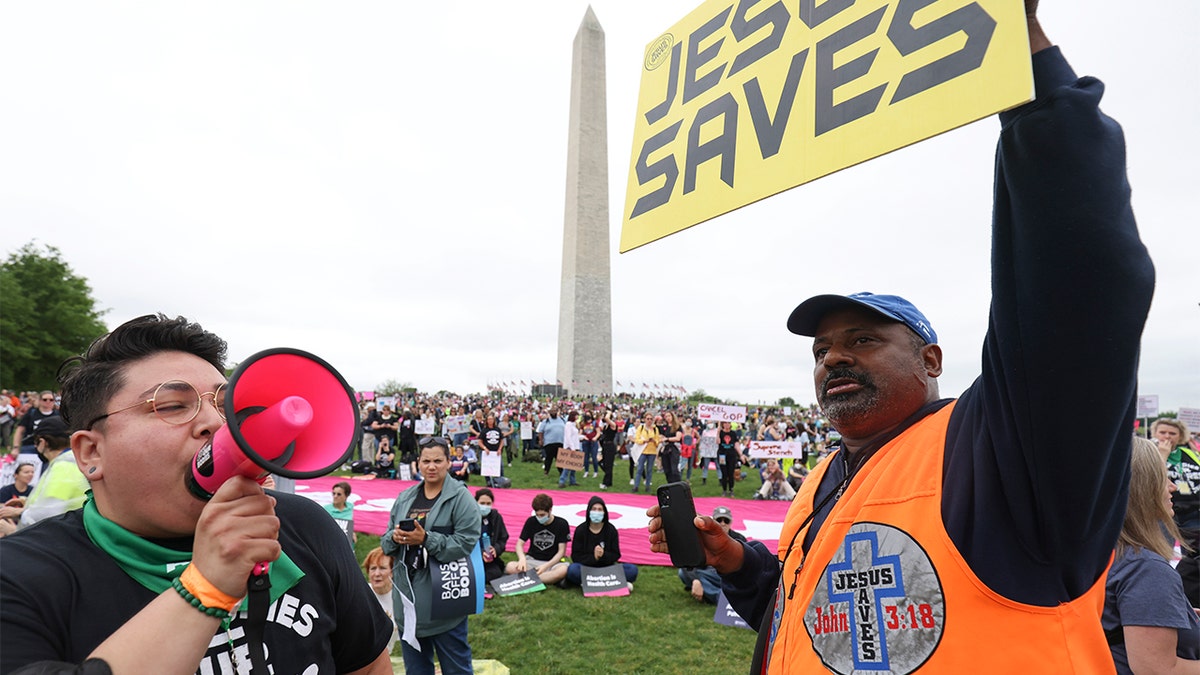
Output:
x=596 y=516
x=543 y=519
x=485 y=509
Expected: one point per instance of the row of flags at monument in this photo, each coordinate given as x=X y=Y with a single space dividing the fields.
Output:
x=522 y=384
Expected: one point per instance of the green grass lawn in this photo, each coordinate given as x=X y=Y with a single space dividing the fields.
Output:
x=660 y=628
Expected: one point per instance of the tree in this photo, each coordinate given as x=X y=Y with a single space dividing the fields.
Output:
x=787 y=401
x=49 y=315
x=701 y=396
x=392 y=387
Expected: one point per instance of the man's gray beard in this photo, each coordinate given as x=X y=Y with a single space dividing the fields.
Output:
x=844 y=410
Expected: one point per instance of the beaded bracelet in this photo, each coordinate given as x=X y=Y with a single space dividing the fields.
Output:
x=211 y=611
x=202 y=595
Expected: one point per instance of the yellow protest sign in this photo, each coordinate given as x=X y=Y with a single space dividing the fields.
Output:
x=743 y=99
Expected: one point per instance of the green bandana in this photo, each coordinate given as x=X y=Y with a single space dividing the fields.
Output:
x=1175 y=458
x=154 y=566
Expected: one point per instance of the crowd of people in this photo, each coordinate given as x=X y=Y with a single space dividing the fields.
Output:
x=978 y=534
x=647 y=436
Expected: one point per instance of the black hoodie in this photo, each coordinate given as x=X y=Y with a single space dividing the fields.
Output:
x=583 y=545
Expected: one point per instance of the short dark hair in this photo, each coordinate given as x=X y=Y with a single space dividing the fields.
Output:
x=92 y=378
x=344 y=486
x=484 y=492
x=542 y=502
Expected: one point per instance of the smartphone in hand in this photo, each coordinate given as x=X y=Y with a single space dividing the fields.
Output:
x=678 y=512
x=406 y=524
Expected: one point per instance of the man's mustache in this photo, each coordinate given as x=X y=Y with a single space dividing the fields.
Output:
x=844 y=374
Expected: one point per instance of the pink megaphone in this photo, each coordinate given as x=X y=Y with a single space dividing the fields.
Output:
x=287 y=412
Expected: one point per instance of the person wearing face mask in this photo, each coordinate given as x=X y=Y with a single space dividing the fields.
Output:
x=547 y=538
x=494 y=537
x=62 y=487
x=597 y=544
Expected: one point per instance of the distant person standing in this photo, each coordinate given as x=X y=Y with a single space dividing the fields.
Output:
x=23 y=437
x=1183 y=470
x=571 y=441
x=368 y=424
x=608 y=448
x=489 y=441
x=445 y=526
x=8 y=417
x=647 y=437
x=730 y=457
x=550 y=437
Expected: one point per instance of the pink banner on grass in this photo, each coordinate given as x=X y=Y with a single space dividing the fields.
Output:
x=373 y=499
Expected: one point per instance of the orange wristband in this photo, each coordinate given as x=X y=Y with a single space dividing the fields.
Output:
x=203 y=590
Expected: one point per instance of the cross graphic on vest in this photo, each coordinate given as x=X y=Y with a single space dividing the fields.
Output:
x=863 y=580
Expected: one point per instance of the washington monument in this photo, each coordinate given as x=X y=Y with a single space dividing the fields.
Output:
x=585 y=304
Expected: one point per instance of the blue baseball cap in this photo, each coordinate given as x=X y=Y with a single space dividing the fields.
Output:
x=806 y=316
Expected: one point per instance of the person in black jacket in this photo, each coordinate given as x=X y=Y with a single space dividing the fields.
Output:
x=597 y=544
x=494 y=537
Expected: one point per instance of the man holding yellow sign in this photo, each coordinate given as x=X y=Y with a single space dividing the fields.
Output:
x=970 y=535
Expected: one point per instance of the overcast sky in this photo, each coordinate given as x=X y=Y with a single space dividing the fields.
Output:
x=382 y=183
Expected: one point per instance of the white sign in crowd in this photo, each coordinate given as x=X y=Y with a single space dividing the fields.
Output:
x=777 y=449
x=721 y=413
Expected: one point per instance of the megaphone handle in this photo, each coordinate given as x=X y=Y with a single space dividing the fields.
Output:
x=259 y=587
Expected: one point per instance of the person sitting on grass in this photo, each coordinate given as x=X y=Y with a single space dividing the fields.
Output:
x=597 y=544
x=775 y=486
x=494 y=537
x=547 y=537
x=704 y=583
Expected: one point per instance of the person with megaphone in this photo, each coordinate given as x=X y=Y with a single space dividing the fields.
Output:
x=154 y=573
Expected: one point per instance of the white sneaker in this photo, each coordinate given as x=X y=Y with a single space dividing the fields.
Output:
x=631 y=481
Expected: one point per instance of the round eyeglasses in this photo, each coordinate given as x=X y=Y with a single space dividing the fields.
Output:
x=175 y=402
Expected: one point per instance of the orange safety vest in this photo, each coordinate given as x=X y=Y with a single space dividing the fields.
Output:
x=883 y=589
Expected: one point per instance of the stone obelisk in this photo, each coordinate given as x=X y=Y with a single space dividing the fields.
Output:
x=585 y=303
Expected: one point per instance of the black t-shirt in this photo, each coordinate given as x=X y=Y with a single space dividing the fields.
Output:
x=29 y=422
x=386 y=432
x=727 y=441
x=9 y=491
x=372 y=416
x=63 y=596
x=421 y=506
x=544 y=539
x=491 y=438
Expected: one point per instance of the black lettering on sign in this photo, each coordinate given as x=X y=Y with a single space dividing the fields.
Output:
x=972 y=20
x=868 y=651
x=697 y=57
x=659 y=111
x=663 y=167
x=814 y=16
x=828 y=115
x=775 y=16
x=770 y=132
x=723 y=146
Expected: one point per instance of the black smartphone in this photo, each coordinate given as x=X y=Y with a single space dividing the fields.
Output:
x=678 y=513
x=407 y=524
